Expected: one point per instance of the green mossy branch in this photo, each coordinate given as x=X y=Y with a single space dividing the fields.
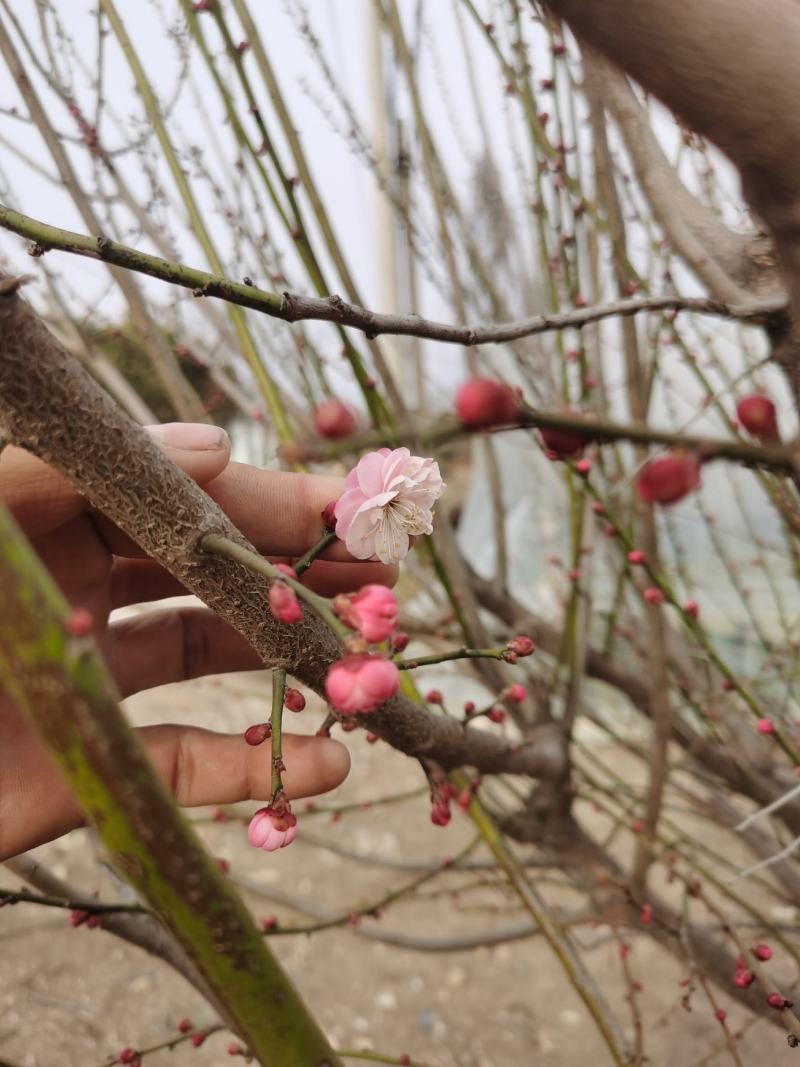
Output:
x=62 y=685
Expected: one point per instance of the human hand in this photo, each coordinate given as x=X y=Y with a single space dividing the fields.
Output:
x=97 y=567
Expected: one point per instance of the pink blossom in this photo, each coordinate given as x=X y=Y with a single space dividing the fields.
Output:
x=515 y=692
x=361 y=683
x=388 y=498
x=271 y=830
x=372 y=611
x=283 y=603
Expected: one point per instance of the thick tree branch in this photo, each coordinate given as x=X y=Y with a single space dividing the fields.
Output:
x=50 y=405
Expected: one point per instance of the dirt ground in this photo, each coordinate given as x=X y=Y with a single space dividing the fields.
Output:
x=75 y=997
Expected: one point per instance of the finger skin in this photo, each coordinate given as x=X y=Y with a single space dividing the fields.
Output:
x=41 y=500
x=199 y=766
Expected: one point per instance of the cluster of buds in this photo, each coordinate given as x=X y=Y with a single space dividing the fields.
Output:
x=360 y=683
x=442 y=792
x=743 y=977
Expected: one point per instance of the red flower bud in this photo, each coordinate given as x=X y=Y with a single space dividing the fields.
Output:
x=775 y=1000
x=258 y=733
x=521 y=646
x=483 y=402
x=721 y=1014
x=333 y=419
x=636 y=557
x=654 y=596
x=283 y=603
x=692 y=608
x=79 y=623
x=185 y=1025
x=758 y=416
x=564 y=444
x=496 y=715
x=762 y=952
x=329 y=515
x=434 y=696
x=198 y=1038
x=743 y=978
x=667 y=479
x=294 y=700
x=399 y=642
x=765 y=726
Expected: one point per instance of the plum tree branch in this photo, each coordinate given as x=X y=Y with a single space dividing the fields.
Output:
x=294 y=307
x=52 y=407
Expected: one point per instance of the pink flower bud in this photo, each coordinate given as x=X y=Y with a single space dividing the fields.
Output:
x=598 y=507
x=646 y=914
x=516 y=693
x=334 y=419
x=636 y=557
x=400 y=641
x=758 y=416
x=235 y=1050
x=762 y=952
x=258 y=733
x=293 y=699
x=404 y=1059
x=667 y=479
x=79 y=623
x=270 y=830
x=185 y=1025
x=765 y=726
x=653 y=596
x=780 y=1003
x=440 y=813
x=361 y=683
x=637 y=825
x=198 y=1038
x=283 y=603
x=721 y=1015
x=583 y=467
x=130 y=1056
x=743 y=978
x=482 y=402
x=372 y=611
x=77 y=918
x=269 y=922
x=496 y=715
x=434 y=696
x=521 y=646
x=692 y=608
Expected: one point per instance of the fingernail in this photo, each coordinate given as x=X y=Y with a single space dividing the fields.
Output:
x=190 y=436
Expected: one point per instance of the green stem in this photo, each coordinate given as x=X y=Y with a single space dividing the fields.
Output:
x=223 y=546
x=276 y=722
x=445 y=657
x=91 y=907
x=305 y=561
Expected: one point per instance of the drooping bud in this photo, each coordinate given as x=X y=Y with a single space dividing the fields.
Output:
x=483 y=402
x=271 y=829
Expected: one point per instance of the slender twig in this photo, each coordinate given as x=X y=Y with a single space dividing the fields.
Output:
x=305 y=561
x=293 y=307
x=445 y=657
x=91 y=907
